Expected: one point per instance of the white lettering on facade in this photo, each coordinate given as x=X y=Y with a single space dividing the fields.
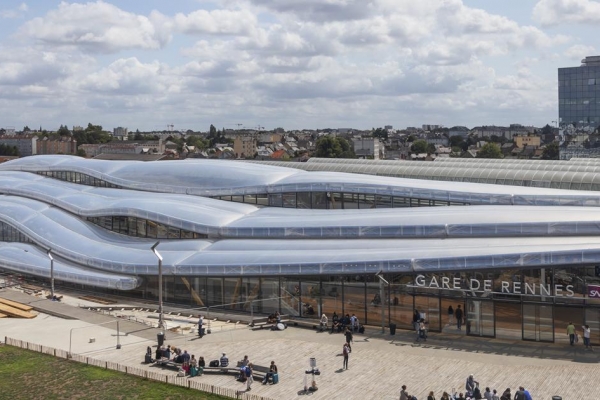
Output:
x=516 y=287
x=545 y=289
x=558 y=290
x=529 y=288
x=487 y=285
x=445 y=282
x=456 y=283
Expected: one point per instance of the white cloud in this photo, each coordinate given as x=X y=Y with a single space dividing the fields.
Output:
x=554 y=12
x=15 y=12
x=579 y=51
x=96 y=27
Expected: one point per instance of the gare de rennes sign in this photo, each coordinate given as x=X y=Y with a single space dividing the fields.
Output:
x=486 y=285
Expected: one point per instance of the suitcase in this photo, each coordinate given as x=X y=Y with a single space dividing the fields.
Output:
x=275 y=378
x=214 y=363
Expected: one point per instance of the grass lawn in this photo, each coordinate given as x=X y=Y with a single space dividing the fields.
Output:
x=29 y=375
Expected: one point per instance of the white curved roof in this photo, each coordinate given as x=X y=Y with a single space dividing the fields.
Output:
x=247 y=240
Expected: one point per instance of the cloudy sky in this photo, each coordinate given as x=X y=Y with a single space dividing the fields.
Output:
x=289 y=63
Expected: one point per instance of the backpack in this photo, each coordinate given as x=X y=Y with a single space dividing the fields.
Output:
x=214 y=363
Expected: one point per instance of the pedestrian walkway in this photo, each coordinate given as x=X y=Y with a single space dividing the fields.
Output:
x=379 y=363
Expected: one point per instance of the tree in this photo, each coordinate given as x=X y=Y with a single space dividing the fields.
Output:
x=551 y=152
x=490 y=150
x=380 y=133
x=26 y=129
x=431 y=148
x=456 y=141
x=547 y=130
x=81 y=153
x=6 y=150
x=331 y=147
x=63 y=131
x=419 y=146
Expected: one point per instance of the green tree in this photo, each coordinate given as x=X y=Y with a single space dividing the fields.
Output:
x=331 y=147
x=63 y=131
x=380 y=133
x=490 y=150
x=431 y=148
x=547 y=130
x=551 y=152
x=456 y=141
x=81 y=153
x=26 y=129
x=6 y=150
x=419 y=146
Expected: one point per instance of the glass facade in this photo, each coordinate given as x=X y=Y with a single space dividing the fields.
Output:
x=579 y=96
x=519 y=305
x=144 y=228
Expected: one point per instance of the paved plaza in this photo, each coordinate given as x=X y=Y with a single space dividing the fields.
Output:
x=379 y=363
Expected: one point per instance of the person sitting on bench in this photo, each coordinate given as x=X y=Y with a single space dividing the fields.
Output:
x=224 y=361
x=324 y=321
x=148 y=358
x=269 y=375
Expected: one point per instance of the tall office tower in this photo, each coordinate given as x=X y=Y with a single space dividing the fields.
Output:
x=579 y=94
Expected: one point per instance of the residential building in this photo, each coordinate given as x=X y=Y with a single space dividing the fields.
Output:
x=120 y=133
x=61 y=145
x=244 y=146
x=529 y=140
x=26 y=144
x=367 y=147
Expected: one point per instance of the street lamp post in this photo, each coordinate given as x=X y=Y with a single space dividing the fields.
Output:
x=49 y=253
x=161 y=322
x=381 y=296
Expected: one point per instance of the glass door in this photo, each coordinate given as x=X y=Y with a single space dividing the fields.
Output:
x=480 y=318
x=538 y=322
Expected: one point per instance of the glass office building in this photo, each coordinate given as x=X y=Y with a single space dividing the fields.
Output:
x=579 y=94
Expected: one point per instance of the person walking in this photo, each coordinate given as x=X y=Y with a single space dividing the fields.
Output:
x=571 y=333
x=459 y=317
x=416 y=319
x=346 y=353
x=249 y=378
x=349 y=339
x=450 y=315
x=586 y=336
x=200 y=324
x=404 y=394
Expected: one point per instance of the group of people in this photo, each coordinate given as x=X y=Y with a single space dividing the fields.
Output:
x=189 y=364
x=247 y=369
x=455 y=314
x=347 y=322
x=574 y=337
x=472 y=392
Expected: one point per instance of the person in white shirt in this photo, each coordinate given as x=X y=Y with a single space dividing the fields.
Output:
x=324 y=322
x=586 y=336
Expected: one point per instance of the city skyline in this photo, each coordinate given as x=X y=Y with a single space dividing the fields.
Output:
x=296 y=64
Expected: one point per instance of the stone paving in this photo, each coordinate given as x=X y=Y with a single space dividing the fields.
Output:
x=379 y=363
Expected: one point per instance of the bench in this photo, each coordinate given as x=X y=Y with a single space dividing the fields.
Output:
x=166 y=363
x=307 y=323
x=259 y=323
